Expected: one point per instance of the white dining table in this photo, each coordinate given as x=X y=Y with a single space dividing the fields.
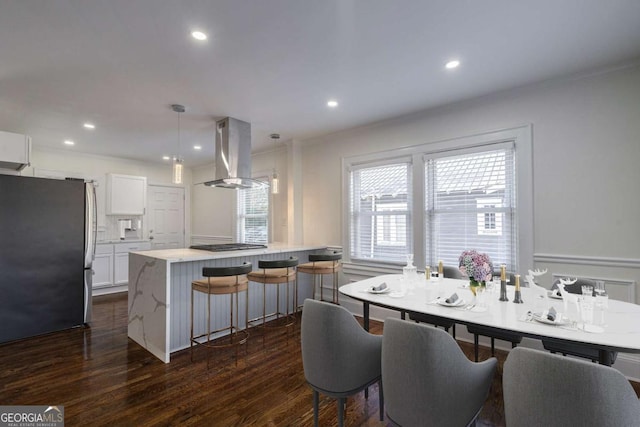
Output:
x=619 y=331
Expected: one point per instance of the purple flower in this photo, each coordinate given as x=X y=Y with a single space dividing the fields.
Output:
x=476 y=266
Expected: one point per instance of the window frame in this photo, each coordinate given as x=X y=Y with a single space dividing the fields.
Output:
x=403 y=160
x=520 y=136
x=239 y=216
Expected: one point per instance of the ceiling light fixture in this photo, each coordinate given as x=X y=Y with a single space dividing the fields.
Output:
x=197 y=147
x=69 y=142
x=199 y=35
x=166 y=158
x=275 y=183
x=89 y=126
x=178 y=162
x=452 y=64
x=332 y=103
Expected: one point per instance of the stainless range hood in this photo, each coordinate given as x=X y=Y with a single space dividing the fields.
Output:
x=233 y=155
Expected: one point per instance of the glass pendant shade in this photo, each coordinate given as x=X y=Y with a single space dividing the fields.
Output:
x=177 y=170
x=275 y=184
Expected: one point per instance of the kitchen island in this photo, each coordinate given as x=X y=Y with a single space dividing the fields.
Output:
x=159 y=307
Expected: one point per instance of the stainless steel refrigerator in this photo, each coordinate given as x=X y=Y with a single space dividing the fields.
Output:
x=47 y=246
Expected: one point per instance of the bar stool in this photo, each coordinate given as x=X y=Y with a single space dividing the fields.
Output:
x=321 y=264
x=277 y=272
x=222 y=281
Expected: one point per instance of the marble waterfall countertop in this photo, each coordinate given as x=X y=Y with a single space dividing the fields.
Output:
x=187 y=255
x=160 y=293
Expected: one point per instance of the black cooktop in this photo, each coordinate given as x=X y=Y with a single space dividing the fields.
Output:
x=228 y=247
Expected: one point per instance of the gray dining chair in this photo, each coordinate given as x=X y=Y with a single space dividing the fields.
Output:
x=339 y=357
x=575 y=349
x=428 y=380
x=450 y=273
x=550 y=390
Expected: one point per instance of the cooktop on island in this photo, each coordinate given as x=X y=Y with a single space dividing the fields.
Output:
x=228 y=247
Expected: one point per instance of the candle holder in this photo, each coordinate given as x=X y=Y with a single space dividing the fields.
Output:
x=518 y=298
x=503 y=290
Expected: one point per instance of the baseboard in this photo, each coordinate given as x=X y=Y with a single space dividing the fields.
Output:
x=109 y=290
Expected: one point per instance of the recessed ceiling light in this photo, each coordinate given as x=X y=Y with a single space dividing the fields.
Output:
x=198 y=35
x=452 y=64
x=68 y=142
x=197 y=147
x=89 y=125
x=166 y=158
x=332 y=103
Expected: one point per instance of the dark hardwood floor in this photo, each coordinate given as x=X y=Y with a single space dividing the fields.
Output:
x=103 y=378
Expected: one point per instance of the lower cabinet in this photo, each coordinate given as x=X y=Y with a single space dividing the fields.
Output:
x=103 y=266
x=121 y=259
x=111 y=263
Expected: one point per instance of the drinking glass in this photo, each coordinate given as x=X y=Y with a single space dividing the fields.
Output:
x=587 y=290
x=481 y=304
x=600 y=288
x=587 y=303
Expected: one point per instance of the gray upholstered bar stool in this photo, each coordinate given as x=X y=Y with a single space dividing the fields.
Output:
x=277 y=272
x=222 y=281
x=321 y=264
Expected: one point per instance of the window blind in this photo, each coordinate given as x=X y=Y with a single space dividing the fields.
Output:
x=470 y=203
x=380 y=212
x=253 y=215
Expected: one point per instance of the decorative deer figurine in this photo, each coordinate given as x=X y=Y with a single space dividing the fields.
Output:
x=539 y=290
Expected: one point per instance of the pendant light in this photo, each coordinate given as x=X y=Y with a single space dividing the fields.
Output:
x=274 y=178
x=178 y=161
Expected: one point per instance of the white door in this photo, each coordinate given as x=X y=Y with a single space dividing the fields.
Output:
x=166 y=217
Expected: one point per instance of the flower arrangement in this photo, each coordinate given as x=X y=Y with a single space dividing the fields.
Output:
x=478 y=267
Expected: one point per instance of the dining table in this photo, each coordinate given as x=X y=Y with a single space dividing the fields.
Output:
x=615 y=327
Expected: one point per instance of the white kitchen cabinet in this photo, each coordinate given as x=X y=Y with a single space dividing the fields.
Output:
x=121 y=259
x=15 y=151
x=126 y=194
x=103 y=266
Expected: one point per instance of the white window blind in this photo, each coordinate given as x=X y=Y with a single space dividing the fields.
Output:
x=471 y=204
x=253 y=215
x=380 y=212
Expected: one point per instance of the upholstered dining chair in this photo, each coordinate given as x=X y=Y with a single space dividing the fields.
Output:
x=575 y=349
x=550 y=390
x=428 y=380
x=450 y=273
x=339 y=357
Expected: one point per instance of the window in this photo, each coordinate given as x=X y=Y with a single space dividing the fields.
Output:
x=379 y=211
x=470 y=204
x=440 y=198
x=253 y=215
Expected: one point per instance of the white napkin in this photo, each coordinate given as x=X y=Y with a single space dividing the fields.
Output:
x=381 y=287
x=551 y=314
x=452 y=299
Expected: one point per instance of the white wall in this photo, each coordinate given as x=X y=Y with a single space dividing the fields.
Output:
x=586 y=154
x=586 y=157
x=213 y=209
x=97 y=167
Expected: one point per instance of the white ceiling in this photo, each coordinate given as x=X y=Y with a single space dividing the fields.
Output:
x=274 y=63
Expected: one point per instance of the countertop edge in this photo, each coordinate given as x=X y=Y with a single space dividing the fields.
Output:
x=190 y=255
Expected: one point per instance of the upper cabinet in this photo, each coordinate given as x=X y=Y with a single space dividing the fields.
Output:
x=126 y=194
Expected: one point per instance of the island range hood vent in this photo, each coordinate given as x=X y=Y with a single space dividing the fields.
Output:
x=233 y=155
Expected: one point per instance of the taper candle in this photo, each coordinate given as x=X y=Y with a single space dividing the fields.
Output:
x=517 y=282
x=503 y=272
x=440 y=269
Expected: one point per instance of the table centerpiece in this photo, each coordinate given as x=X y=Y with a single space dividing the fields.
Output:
x=477 y=267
